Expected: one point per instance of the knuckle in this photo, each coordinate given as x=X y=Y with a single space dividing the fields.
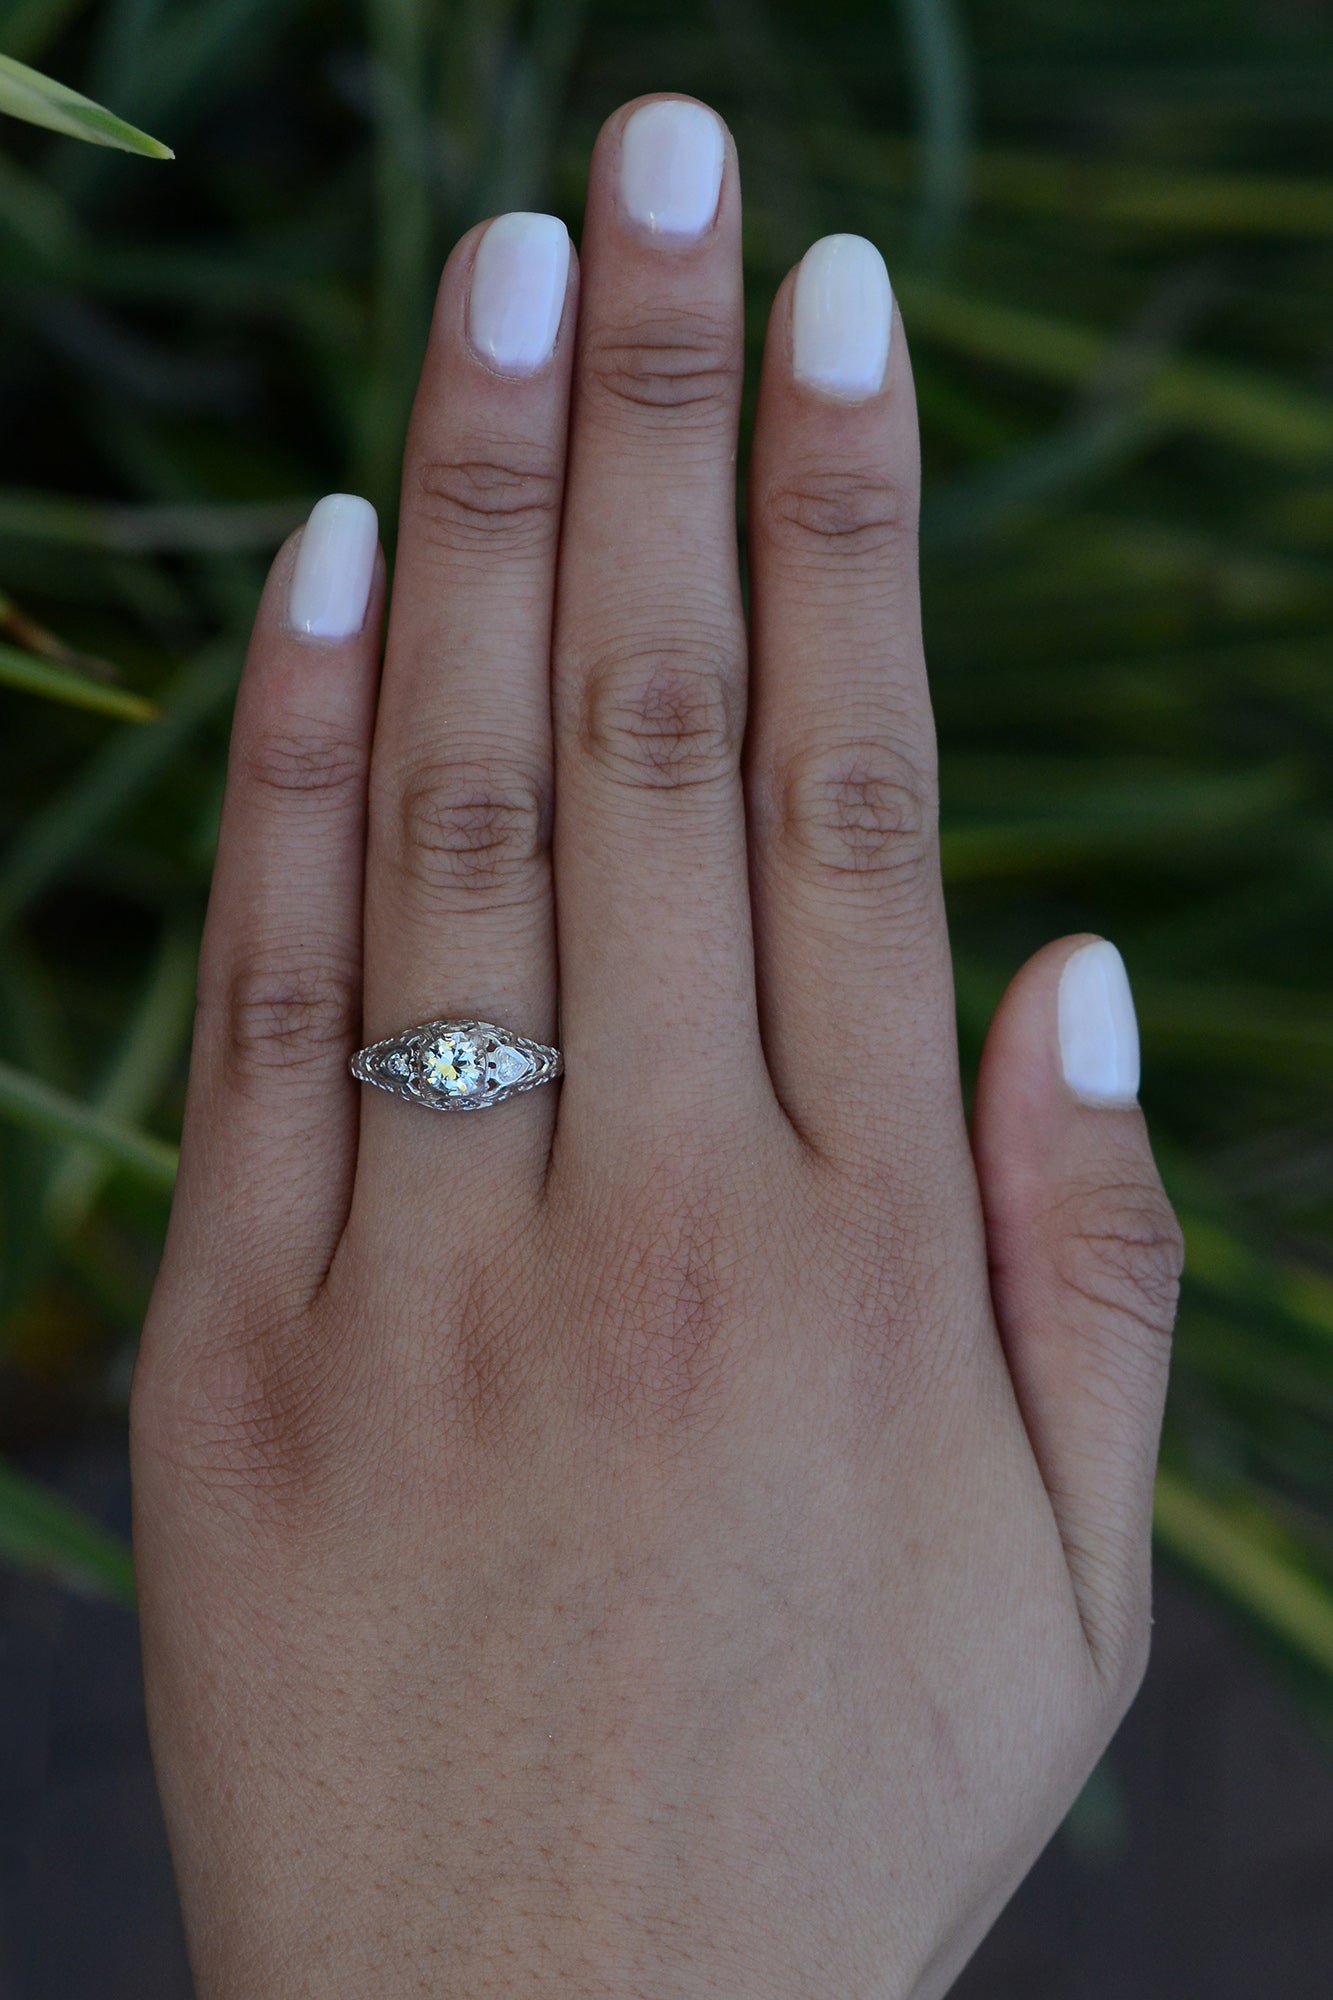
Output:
x=838 y=515
x=312 y=764
x=486 y=1391
x=685 y=364
x=474 y=832
x=666 y=717
x=289 y=1013
x=1119 y=1250
x=664 y=1361
x=506 y=497
x=259 y=1419
x=851 y=812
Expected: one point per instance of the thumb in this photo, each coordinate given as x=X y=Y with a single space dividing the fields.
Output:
x=1085 y=1259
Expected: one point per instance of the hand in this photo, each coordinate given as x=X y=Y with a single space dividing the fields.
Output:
x=686 y=1530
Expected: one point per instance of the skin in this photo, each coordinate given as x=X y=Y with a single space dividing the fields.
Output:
x=685 y=1532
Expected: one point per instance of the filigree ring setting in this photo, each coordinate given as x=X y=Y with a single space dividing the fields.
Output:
x=457 y=1065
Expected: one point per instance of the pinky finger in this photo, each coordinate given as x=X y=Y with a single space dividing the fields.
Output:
x=1085 y=1262
x=270 y=1131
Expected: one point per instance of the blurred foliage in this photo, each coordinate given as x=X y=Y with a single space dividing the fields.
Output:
x=1113 y=242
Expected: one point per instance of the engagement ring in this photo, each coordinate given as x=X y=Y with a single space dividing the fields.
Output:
x=456 y=1065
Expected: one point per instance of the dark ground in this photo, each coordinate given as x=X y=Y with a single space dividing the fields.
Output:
x=1201 y=1869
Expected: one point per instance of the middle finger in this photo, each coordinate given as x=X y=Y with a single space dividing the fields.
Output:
x=656 y=961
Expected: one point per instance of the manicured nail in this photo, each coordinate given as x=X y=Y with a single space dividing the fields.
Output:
x=842 y=317
x=671 y=160
x=335 y=567
x=518 y=292
x=1099 y=1036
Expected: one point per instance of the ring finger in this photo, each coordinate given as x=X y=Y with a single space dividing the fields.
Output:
x=459 y=919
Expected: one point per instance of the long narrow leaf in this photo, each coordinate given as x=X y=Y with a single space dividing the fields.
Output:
x=38 y=1107
x=150 y=1050
x=940 y=69
x=120 y=770
x=213 y=528
x=1217 y=1257
x=1151 y=198
x=1091 y=191
x=44 y=677
x=42 y=1533
x=1227 y=1548
x=1238 y=406
x=399 y=39
x=39 y=100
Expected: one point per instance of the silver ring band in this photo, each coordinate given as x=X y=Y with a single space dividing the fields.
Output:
x=457 y=1065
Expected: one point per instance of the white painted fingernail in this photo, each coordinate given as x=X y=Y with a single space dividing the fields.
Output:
x=1099 y=1036
x=335 y=567
x=842 y=318
x=671 y=160
x=518 y=291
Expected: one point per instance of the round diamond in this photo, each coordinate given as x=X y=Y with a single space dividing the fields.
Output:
x=398 y=1064
x=453 y=1064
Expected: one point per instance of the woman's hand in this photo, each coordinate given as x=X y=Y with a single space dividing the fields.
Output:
x=685 y=1532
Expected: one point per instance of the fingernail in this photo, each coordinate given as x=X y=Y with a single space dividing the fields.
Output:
x=842 y=317
x=671 y=160
x=335 y=567
x=518 y=292
x=1099 y=1036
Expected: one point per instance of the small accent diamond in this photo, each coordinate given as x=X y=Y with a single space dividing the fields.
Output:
x=398 y=1064
x=507 y=1065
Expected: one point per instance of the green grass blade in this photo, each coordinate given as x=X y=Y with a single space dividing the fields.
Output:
x=403 y=243
x=111 y=779
x=113 y=527
x=32 y=1037
x=42 y=1533
x=1112 y=819
x=1269 y=1030
x=38 y=1107
x=1242 y=1559
x=1091 y=192
x=1120 y=192
x=940 y=68
x=44 y=677
x=39 y=100
x=148 y=1055
x=1035 y=475
x=1218 y=1258
x=774 y=95
x=1238 y=406
x=520 y=150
